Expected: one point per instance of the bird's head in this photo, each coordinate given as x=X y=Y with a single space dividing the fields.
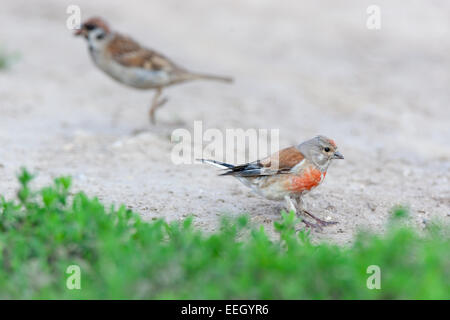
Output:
x=320 y=150
x=94 y=28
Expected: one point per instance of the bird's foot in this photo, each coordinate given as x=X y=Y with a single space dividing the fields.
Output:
x=310 y=225
x=320 y=221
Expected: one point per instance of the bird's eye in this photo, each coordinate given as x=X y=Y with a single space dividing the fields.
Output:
x=89 y=27
x=100 y=36
x=326 y=149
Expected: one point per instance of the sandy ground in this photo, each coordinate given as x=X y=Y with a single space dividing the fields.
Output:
x=302 y=68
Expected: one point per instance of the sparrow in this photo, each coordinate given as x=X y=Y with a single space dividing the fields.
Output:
x=288 y=174
x=134 y=65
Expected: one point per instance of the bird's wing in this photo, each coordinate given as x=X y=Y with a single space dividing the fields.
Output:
x=129 y=53
x=278 y=163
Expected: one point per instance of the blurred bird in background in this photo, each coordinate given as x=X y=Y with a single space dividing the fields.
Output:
x=131 y=64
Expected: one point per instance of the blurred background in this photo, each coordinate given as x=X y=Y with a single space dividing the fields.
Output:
x=306 y=68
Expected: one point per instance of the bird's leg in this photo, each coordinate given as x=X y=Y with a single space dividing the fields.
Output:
x=320 y=222
x=290 y=206
x=156 y=104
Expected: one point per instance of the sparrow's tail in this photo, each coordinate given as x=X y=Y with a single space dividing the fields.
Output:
x=202 y=76
x=218 y=164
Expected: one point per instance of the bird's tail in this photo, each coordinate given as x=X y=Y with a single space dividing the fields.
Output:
x=203 y=76
x=218 y=164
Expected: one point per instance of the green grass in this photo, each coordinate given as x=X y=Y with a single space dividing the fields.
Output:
x=120 y=256
x=6 y=59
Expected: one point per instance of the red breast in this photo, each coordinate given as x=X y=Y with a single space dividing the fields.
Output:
x=308 y=179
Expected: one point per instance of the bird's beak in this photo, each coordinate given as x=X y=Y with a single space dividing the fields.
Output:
x=338 y=155
x=79 y=32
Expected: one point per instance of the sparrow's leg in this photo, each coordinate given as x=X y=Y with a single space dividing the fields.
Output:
x=321 y=222
x=156 y=104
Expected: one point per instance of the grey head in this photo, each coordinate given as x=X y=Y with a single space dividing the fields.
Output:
x=320 y=150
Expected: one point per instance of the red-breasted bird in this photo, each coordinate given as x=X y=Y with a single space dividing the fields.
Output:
x=133 y=65
x=288 y=174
